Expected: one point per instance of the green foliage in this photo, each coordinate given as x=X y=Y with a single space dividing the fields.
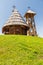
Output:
x=21 y=50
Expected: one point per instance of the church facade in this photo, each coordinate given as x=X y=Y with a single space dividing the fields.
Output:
x=18 y=26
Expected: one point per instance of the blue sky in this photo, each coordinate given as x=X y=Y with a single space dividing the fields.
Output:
x=22 y=6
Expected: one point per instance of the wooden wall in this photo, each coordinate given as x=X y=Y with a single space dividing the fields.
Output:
x=17 y=29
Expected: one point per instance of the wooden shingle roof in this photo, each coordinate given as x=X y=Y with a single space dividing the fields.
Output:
x=15 y=19
x=30 y=12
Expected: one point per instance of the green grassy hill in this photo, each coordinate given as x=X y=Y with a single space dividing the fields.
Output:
x=21 y=50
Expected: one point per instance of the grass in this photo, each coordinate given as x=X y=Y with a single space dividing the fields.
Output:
x=21 y=50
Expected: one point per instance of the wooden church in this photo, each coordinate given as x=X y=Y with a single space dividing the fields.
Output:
x=18 y=26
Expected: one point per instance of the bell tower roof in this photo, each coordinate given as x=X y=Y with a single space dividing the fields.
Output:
x=29 y=12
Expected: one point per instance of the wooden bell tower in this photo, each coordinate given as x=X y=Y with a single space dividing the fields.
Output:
x=29 y=15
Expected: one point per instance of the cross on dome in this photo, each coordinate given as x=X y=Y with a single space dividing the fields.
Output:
x=29 y=8
x=13 y=8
